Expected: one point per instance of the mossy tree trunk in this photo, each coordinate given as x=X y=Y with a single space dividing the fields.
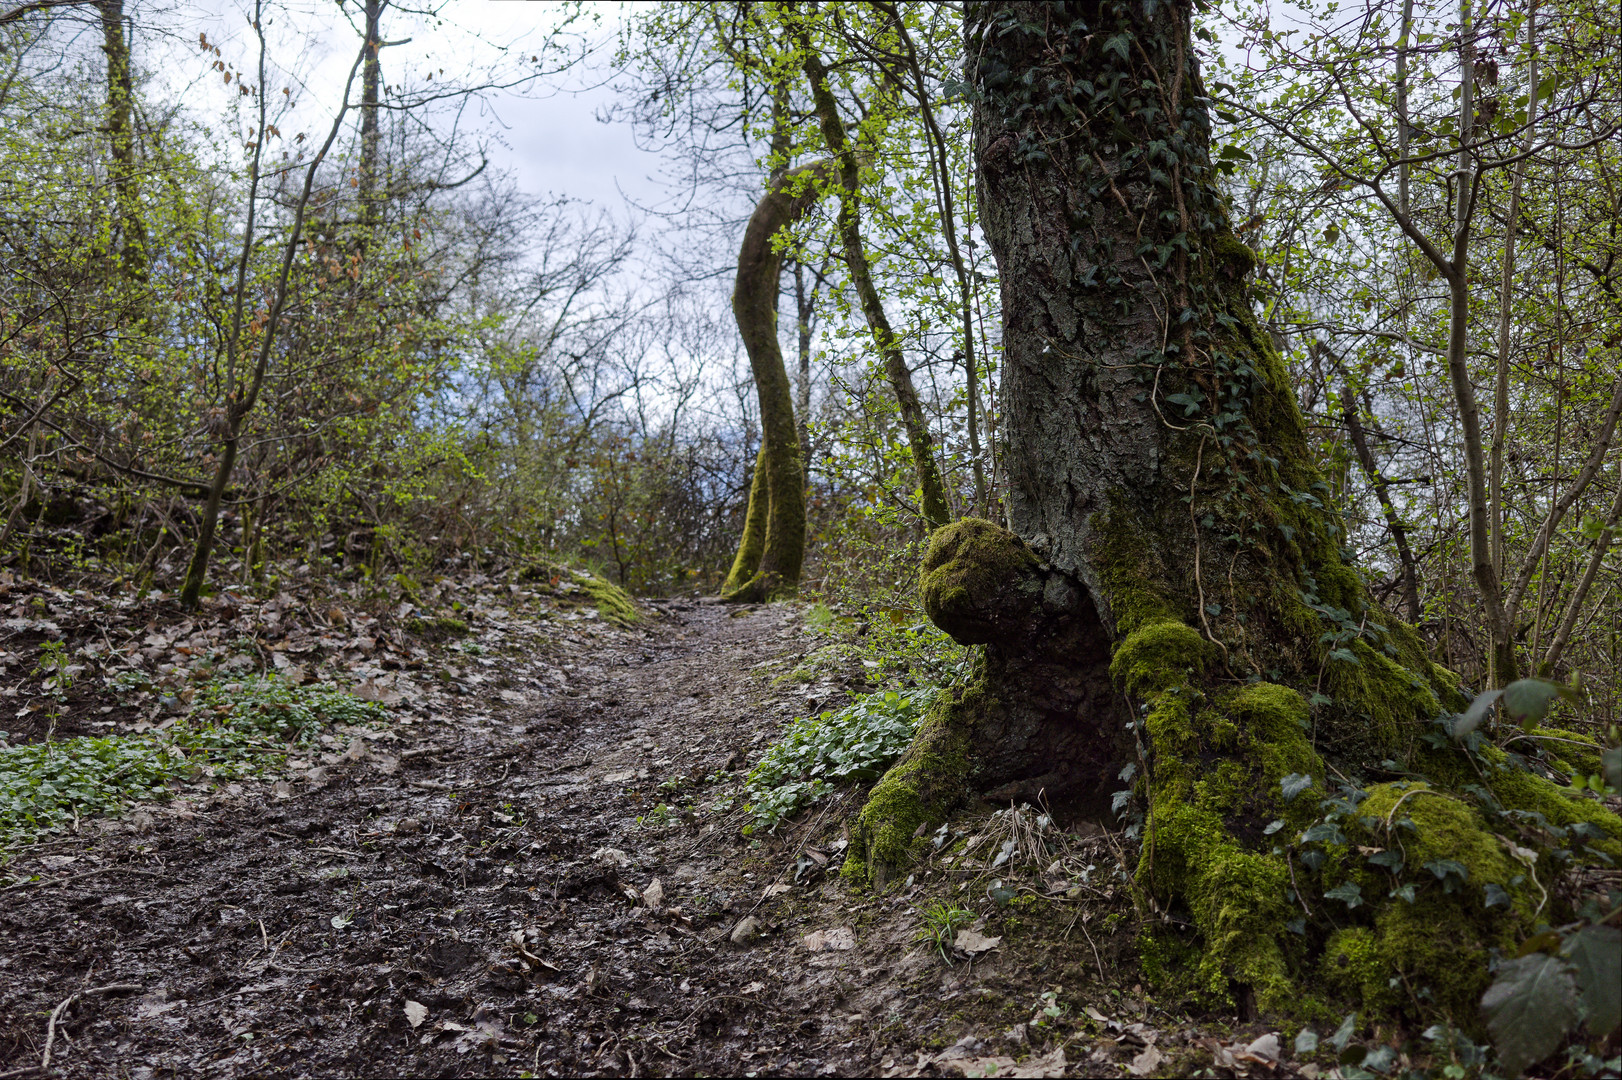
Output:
x=132 y=258
x=1174 y=592
x=772 y=549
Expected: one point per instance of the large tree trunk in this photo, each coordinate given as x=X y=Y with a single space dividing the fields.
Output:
x=772 y=549
x=1173 y=586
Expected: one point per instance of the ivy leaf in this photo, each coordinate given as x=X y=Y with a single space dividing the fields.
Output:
x=1325 y=832
x=1346 y=655
x=1390 y=858
x=1306 y=1042
x=1273 y=827
x=1344 y=1033
x=1406 y=892
x=1445 y=869
x=1528 y=700
x=1596 y=951
x=1475 y=714
x=1529 y=1009
x=1294 y=784
x=1350 y=894
x=1496 y=896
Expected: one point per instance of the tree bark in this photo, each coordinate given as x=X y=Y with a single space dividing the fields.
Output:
x=932 y=489
x=132 y=258
x=1173 y=587
x=772 y=550
x=371 y=79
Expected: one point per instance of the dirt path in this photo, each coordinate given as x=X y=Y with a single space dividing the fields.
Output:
x=284 y=932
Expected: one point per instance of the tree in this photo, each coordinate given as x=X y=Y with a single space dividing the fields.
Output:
x=772 y=548
x=1174 y=605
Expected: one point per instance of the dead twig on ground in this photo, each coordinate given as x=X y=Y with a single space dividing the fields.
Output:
x=66 y=1004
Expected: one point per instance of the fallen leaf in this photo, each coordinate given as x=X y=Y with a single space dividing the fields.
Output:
x=341 y=921
x=973 y=942
x=611 y=856
x=838 y=939
x=654 y=895
x=371 y=691
x=416 y=1013
x=1146 y=1062
x=754 y=988
x=776 y=888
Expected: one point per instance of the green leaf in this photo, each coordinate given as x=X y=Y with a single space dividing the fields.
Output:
x=1475 y=714
x=1390 y=858
x=1527 y=700
x=1344 y=1033
x=1294 y=784
x=1350 y=894
x=1596 y=951
x=1306 y=1042
x=1529 y=1009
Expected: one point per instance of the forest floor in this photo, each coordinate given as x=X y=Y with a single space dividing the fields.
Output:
x=534 y=868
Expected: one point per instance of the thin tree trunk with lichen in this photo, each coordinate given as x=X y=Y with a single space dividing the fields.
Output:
x=772 y=550
x=932 y=489
x=1174 y=588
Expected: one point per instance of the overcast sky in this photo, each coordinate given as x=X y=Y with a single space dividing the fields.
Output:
x=547 y=135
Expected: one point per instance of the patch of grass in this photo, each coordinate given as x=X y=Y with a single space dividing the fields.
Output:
x=941 y=922
x=853 y=745
x=235 y=729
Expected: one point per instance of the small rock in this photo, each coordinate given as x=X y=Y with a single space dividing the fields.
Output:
x=408 y=825
x=748 y=929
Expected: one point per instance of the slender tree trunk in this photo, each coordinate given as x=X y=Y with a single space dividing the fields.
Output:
x=922 y=444
x=1574 y=606
x=240 y=401
x=775 y=570
x=371 y=79
x=1173 y=586
x=132 y=258
x=1500 y=402
x=1399 y=533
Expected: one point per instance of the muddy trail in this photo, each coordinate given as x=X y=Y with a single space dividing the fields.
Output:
x=503 y=888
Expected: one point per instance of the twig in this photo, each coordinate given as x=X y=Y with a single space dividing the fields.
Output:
x=56 y=1015
x=87 y=873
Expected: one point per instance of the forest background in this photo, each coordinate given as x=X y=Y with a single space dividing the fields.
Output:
x=272 y=308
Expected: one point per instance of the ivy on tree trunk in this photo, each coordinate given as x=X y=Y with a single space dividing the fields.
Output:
x=1174 y=607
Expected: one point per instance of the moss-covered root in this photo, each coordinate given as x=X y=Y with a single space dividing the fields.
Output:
x=918 y=792
x=1218 y=766
x=746 y=564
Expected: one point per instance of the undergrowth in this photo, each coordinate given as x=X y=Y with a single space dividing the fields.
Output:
x=235 y=728
x=851 y=746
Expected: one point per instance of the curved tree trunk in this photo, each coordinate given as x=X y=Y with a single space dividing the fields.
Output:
x=1173 y=588
x=931 y=488
x=773 y=546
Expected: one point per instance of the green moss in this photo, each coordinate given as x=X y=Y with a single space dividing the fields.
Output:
x=1159 y=654
x=441 y=628
x=977 y=577
x=1128 y=572
x=1355 y=966
x=1572 y=752
x=611 y=601
x=1433 y=952
x=1517 y=789
x=1217 y=772
x=917 y=792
